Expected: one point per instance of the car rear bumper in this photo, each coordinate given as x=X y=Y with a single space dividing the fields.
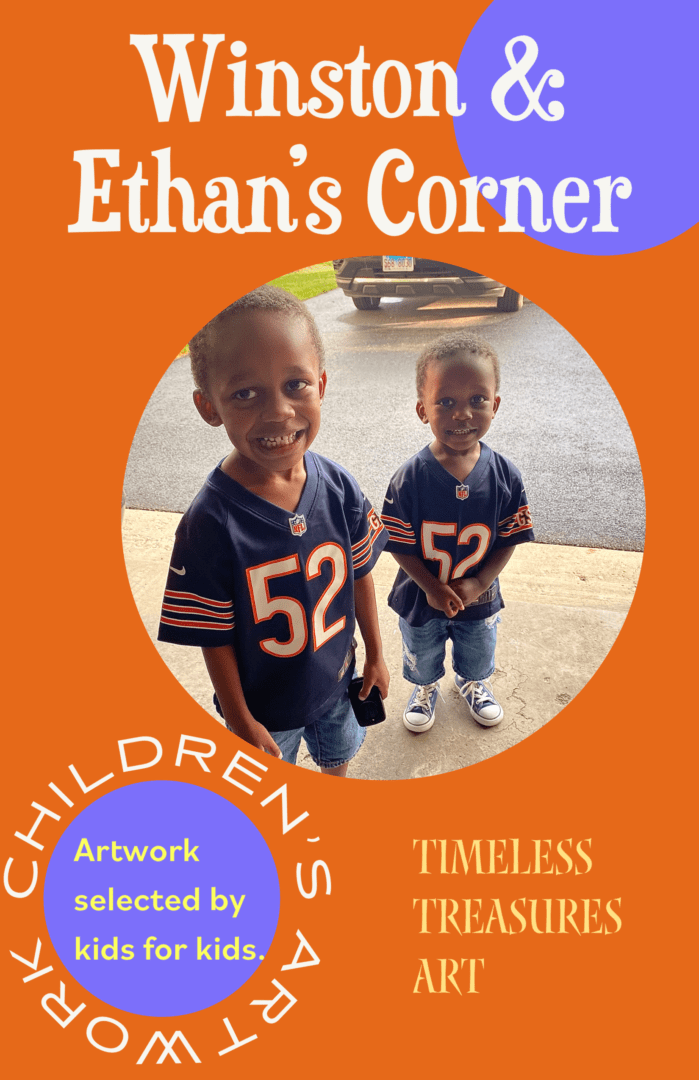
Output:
x=415 y=285
x=365 y=277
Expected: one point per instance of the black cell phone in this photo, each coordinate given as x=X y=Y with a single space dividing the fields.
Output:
x=368 y=712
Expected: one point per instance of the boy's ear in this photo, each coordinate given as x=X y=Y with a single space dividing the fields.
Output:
x=496 y=404
x=322 y=384
x=420 y=410
x=206 y=409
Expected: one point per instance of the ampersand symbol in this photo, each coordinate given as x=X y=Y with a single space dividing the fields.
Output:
x=518 y=74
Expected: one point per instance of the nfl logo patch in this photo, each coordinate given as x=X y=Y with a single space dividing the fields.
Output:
x=297 y=524
x=462 y=491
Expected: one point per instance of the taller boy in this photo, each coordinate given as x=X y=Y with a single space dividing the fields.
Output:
x=454 y=513
x=274 y=555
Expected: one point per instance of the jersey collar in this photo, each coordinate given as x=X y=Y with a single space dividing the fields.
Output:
x=234 y=492
x=445 y=478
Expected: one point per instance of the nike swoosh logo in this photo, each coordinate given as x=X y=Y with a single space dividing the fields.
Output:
x=176 y=571
x=388 y=500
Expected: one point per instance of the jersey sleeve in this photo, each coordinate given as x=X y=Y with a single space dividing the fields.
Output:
x=368 y=538
x=198 y=605
x=515 y=525
x=397 y=520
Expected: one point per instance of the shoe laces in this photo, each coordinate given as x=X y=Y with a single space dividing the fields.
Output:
x=422 y=698
x=482 y=693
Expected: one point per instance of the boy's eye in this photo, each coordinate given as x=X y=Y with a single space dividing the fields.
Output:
x=245 y=395
x=447 y=402
x=297 y=384
x=478 y=399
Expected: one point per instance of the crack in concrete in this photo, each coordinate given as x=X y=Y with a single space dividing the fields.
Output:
x=516 y=692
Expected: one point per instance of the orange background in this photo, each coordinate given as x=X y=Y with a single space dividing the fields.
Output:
x=91 y=323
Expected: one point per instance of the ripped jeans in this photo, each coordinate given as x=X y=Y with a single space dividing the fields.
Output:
x=472 y=643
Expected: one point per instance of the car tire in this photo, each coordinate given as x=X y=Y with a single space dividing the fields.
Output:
x=366 y=303
x=511 y=301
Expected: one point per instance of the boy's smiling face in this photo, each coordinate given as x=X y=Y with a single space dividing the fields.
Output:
x=264 y=387
x=458 y=401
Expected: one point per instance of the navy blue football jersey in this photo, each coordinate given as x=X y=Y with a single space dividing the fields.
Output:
x=277 y=586
x=452 y=527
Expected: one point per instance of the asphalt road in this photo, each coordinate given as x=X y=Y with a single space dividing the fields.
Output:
x=559 y=420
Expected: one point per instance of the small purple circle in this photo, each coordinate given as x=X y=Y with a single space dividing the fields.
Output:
x=161 y=898
x=623 y=76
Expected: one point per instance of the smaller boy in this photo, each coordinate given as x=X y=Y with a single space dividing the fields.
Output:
x=454 y=514
x=273 y=558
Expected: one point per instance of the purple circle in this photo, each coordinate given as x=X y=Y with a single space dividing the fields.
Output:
x=164 y=846
x=630 y=107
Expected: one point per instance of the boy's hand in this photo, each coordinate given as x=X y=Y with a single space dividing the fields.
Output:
x=267 y=743
x=444 y=598
x=375 y=674
x=468 y=589
x=257 y=735
x=222 y=666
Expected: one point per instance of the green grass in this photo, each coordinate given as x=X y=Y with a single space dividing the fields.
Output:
x=311 y=281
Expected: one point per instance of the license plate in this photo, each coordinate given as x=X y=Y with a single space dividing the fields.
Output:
x=397 y=263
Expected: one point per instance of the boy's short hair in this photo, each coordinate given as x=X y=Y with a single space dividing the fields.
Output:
x=266 y=298
x=447 y=346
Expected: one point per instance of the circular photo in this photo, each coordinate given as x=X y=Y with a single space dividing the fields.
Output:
x=384 y=517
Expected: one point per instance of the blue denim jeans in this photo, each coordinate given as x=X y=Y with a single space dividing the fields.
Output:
x=332 y=740
x=472 y=643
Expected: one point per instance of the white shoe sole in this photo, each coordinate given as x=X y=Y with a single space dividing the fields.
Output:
x=479 y=719
x=418 y=727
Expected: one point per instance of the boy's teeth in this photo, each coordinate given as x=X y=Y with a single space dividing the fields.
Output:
x=279 y=440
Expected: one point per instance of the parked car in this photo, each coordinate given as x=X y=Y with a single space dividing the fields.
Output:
x=366 y=279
